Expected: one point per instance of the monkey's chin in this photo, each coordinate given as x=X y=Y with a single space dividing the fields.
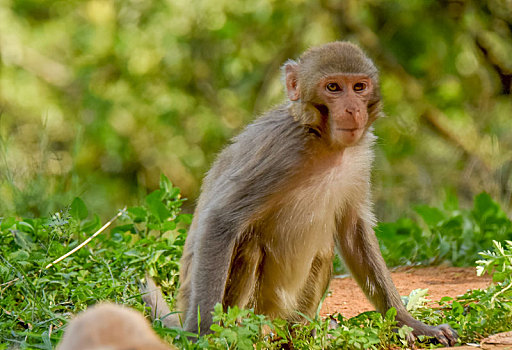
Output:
x=347 y=137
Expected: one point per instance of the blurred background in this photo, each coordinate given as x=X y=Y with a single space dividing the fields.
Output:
x=99 y=97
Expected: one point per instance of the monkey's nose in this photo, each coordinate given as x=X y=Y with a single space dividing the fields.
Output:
x=352 y=110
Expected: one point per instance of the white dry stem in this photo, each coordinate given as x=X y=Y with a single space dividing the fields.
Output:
x=103 y=228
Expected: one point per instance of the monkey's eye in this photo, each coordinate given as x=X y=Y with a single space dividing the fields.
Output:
x=333 y=87
x=358 y=87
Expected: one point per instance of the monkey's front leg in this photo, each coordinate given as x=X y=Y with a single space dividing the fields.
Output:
x=358 y=245
x=209 y=270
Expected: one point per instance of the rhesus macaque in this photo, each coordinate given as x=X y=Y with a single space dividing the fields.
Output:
x=110 y=327
x=284 y=193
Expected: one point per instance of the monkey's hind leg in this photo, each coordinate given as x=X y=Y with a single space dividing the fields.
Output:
x=153 y=297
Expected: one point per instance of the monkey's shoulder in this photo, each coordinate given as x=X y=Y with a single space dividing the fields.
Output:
x=257 y=161
x=276 y=128
x=271 y=143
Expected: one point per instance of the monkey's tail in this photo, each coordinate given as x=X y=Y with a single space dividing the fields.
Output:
x=153 y=298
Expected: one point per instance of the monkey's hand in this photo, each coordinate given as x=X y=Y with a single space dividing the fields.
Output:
x=443 y=333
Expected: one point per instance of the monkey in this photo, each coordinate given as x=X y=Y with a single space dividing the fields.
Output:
x=108 y=326
x=291 y=188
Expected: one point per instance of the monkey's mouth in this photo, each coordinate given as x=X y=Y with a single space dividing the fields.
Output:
x=347 y=129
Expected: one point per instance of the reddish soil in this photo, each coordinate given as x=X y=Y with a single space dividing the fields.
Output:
x=348 y=299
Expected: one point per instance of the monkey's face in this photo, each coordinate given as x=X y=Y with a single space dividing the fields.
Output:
x=335 y=91
x=342 y=104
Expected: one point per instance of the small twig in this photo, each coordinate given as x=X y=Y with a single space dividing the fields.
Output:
x=8 y=284
x=50 y=331
x=103 y=228
x=493 y=299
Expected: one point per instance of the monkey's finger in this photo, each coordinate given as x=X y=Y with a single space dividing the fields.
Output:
x=442 y=338
x=452 y=336
x=411 y=340
x=448 y=333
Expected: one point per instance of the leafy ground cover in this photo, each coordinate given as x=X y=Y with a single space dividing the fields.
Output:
x=38 y=293
x=345 y=296
x=445 y=235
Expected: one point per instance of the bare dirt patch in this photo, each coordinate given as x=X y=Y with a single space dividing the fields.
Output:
x=348 y=299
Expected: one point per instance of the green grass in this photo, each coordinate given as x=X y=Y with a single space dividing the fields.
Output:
x=36 y=300
x=448 y=234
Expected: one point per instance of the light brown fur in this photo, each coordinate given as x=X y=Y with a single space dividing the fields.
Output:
x=110 y=327
x=290 y=188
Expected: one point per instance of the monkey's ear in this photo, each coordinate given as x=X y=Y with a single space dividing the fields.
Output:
x=292 y=83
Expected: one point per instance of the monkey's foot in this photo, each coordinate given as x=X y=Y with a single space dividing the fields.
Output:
x=443 y=333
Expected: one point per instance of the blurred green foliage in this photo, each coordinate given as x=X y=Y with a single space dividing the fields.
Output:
x=99 y=97
x=449 y=235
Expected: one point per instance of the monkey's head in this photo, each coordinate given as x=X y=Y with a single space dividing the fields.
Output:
x=335 y=90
